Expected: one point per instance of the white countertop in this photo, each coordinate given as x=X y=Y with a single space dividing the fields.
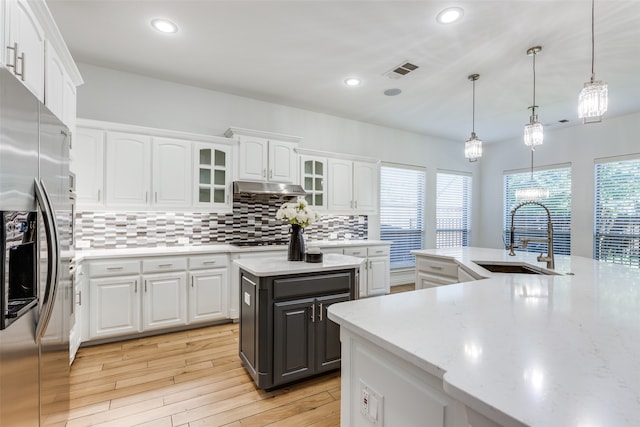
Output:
x=82 y=254
x=522 y=349
x=278 y=266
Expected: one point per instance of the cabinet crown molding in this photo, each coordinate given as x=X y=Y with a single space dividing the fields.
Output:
x=332 y=155
x=143 y=130
x=235 y=132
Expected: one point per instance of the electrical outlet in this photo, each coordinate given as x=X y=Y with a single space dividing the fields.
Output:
x=371 y=405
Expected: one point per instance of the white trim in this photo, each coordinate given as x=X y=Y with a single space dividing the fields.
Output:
x=165 y=133
x=611 y=159
x=332 y=155
x=234 y=132
x=452 y=172
x=538 y=168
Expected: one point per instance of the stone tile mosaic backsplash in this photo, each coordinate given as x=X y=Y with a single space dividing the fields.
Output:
x=252 y=218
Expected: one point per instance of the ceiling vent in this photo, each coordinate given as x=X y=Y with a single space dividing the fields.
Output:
x=401 y=70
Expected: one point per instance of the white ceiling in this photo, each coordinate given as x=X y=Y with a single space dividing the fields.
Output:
x=299 y=52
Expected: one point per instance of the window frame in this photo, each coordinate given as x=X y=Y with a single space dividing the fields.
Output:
x=462 y=235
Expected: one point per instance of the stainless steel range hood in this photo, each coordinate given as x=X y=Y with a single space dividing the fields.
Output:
x=267 y=189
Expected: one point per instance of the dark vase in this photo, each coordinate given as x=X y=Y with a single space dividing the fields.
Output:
x=296 y=243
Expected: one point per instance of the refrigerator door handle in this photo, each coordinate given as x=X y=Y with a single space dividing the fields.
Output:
x=53 y=258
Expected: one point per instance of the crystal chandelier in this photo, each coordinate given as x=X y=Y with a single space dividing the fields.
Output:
x=532 y=193
x=473 y=145
x=593 y=99
x=533 y=133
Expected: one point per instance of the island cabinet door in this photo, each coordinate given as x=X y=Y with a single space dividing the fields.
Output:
x=293 y=334
x=327 y=334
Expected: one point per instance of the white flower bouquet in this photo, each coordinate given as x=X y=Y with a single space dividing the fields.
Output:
x=297 y=212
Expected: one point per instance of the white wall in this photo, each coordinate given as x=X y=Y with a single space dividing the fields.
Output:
x=116 y=96
x=578 y=145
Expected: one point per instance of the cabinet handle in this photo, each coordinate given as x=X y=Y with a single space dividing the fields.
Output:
x=355 y=204
x=21 y=73
x=321 y=312
x=209 y=262
x=98 y=194
x=356 y=253
x=145 y=286
x=351 y=204
x=434 y=267
x=14 y=48
x=270 y=173
x=192 y=281
x=156 y=196
x=370 y=264
x=79 y=297
x=135 y=286
x=146 y=196
x=114 y=268
x=164 y=265
x=264 y=173
x=313 y=313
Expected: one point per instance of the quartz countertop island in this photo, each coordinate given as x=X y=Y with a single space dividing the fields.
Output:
x=517 y=349
x=278 y=266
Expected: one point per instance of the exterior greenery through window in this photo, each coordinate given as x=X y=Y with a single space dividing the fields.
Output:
x=453 y=209
x=617 y=212
x=531 y=221
x=402 y=212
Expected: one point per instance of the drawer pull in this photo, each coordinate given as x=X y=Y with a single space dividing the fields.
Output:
x=209 y=262
x=356 y=253
x=379 y=252
x=434 y=267
x=164 y=265
x=115 y=268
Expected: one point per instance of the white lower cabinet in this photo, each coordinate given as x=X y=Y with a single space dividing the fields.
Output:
x=114 y=307
x=132 y=295
x=208 y=298
x=374 y=273
x=164 y=300
x=435 y=271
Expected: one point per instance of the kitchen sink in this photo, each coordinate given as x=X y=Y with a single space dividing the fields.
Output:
x=512 y=267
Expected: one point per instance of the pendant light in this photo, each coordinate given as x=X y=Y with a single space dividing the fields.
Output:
x=473 y=145
x=593 y=98
x=532 y=193
x=533 y=133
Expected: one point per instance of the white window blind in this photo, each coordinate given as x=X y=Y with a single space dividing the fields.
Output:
x=402 y=212
x=531 y=220
x=453 y=209
x=617 y=212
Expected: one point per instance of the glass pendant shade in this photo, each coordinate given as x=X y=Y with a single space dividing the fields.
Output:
x=473 y=148
x=533 y=133
x=592 y=102
x=532 y=193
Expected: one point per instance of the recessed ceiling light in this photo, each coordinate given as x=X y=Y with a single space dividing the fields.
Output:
x=353 y=81
x=450 y=15
x=164 y=26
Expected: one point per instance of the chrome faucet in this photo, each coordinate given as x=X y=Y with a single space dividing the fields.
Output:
x=549 y=259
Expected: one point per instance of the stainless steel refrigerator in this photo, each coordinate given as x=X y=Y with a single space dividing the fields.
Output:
x=34 y=180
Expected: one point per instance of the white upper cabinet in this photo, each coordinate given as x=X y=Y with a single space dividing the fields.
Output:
x=87 y=162
x=128 y=166
x=24 y=46
x=353 y=186
x=313 y=178
x=212 y=167
x=340 y=185
x=265 y=156
x=171 y=172
x=365 y=186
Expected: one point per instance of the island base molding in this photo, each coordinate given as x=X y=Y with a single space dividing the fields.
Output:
x=401 y=393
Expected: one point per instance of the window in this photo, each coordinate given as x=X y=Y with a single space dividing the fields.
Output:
x=617 y=212
x=453 y=209
x=531 y=221
x=402 y=212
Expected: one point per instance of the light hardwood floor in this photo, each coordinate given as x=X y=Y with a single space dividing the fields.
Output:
x=189 y=379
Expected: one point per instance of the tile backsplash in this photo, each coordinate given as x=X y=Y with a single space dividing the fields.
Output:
x=252 y=218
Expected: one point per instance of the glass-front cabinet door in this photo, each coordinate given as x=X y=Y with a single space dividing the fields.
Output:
x=213 y=176
x=313 y=171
